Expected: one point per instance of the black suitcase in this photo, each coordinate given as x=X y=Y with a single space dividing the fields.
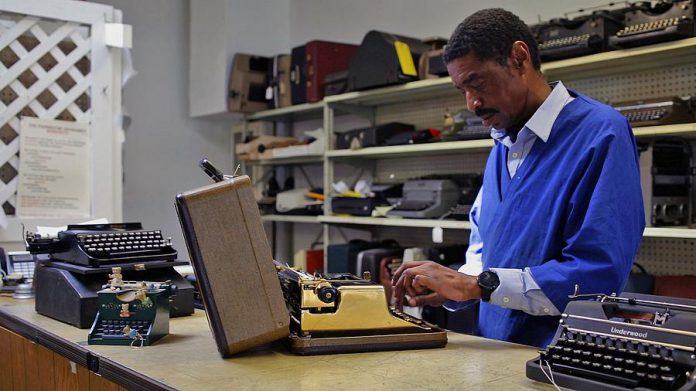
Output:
x=371 y=136
x=385 y=59
x=298 y=78
x=340 y=257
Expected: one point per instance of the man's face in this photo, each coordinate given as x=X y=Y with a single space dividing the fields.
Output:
x=495 y=93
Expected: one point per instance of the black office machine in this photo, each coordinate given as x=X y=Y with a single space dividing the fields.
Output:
x=131 y=313
x=385 y=59
x=666 y=175
x=426 y=199
x=563 y=38
x=77 y=263
x=657 y=111
x=371 y=136
x=656 y=21
x=628 y=342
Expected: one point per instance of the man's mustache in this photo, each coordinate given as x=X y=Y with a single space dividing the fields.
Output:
x=481 y=112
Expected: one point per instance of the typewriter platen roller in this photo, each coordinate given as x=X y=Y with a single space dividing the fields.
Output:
x=622 y=343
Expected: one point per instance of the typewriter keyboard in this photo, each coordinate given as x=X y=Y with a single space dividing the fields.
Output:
x=113 y=329
x=647 y=115
x=615 y=360
x=648 y=27
x=562 y=42
x=119 y=243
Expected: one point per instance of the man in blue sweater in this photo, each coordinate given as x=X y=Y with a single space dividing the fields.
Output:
x=560 y=204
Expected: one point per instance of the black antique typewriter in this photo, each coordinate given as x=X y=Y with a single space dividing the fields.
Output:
x=98 y=245
x=656 y=21
x=659 y=111
x=631 y=342
x=563 y=38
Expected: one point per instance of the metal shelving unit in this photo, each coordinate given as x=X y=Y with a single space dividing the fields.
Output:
x=610 y=76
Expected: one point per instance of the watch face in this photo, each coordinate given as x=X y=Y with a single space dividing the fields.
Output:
x=488 y=280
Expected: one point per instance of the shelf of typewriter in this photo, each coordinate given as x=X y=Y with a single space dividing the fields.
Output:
x=401 y=142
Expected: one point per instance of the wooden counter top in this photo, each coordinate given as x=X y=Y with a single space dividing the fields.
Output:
x=187 y=359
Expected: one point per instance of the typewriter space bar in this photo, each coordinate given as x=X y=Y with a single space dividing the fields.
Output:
x=133 y=252
x=596 y=375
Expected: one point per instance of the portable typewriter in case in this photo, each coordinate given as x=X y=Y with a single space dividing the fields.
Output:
x=629 y=342
x=564 y=38
x=657 y=111
x=327 y=308
x=656 y=21
x=251 y=300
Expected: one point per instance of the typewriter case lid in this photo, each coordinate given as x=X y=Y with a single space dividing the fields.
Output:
x=233 y=265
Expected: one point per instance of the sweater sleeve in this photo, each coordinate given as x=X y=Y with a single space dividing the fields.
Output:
x=604 y=221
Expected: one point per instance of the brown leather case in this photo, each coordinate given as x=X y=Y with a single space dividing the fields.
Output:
x=248 y=82
x=431 y=65
x=238 y=281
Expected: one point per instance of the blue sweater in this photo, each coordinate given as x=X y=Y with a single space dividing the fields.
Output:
x=573 y=213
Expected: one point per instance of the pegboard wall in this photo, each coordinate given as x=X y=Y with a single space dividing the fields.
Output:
x=661 y=256
x=422 y=113
x=668 y=256
x=44 y=73
x=657 y=83
x=401 y=169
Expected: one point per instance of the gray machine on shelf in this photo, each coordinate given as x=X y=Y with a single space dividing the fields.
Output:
x=426 y=199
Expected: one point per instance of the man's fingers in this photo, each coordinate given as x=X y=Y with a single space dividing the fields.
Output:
x=402 y=268
x=422 y=283
x=422 y=300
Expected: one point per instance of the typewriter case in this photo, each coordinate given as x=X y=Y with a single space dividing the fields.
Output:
x=240 y=284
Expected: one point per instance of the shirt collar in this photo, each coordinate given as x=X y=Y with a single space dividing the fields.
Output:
x=542 y=120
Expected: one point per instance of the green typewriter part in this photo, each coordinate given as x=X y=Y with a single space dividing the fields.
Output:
x=131 y=313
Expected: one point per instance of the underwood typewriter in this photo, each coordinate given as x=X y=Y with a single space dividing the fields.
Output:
x=656 y=21
x=659 y=111
x=640 y=342
x=563 y=38
x=131 y=313
x=98 y=245
x=344 y=313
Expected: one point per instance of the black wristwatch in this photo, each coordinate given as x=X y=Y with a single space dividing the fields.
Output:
x=488 y=281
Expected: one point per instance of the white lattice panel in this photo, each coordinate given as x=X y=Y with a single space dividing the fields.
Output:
x=658 y=83
x=55 y=64
x=44 y=73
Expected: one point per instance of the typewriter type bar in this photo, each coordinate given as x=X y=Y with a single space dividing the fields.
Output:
x=653 y=22
x=622 y=343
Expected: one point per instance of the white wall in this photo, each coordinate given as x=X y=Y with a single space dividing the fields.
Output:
x=349 y=21
x=163 y=145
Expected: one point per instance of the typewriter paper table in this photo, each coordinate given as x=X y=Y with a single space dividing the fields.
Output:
x=187 y=359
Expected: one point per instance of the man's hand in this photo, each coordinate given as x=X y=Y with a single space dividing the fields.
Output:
x=429 y=283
